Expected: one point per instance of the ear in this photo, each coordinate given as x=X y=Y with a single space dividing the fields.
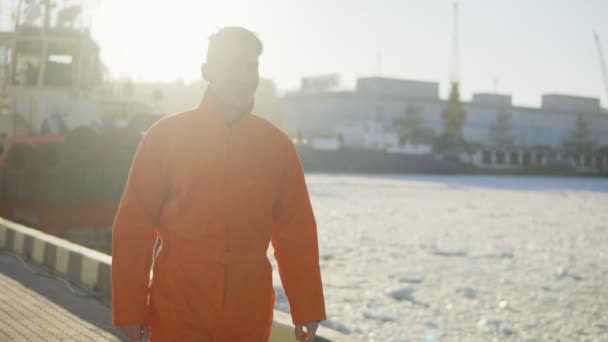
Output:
x=205 y=72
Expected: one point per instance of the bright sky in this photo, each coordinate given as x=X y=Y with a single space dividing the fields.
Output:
x=530 y=47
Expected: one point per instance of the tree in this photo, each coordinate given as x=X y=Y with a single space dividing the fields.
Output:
x=452 y=140
x=579 y=139
x=454 y=116
x=501 y=130
x=411 y=129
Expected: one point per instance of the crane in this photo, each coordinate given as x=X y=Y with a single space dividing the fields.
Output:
x=455 y=51
x=454 y=114
x=602 y=64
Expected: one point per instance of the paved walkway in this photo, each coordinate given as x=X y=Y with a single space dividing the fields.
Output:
x=35 y=307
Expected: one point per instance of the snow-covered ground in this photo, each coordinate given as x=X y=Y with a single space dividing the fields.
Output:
x=463 y=258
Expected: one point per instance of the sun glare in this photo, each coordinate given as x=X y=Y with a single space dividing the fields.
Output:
x=161 y=40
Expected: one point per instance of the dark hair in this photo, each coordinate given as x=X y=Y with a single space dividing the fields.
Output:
x=230 y=35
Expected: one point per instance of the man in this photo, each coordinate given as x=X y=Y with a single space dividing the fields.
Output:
x=216 y=184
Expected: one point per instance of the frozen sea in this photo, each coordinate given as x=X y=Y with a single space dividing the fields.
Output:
x=462 y=258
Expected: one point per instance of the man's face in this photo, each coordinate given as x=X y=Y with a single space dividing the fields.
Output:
x=233 y=76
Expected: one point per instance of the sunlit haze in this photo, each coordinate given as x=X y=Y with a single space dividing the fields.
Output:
x=519 y=47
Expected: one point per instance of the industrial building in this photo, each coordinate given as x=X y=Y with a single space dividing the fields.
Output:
x=383 y=102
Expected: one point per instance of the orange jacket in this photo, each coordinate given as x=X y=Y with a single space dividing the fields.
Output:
x=216 y=195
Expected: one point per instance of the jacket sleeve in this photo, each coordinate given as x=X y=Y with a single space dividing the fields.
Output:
x=294 y=238
x=134 y=235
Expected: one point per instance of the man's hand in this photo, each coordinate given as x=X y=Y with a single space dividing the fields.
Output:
x=134 y=332
x=309 y=334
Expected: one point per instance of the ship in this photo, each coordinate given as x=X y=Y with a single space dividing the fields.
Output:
x=66 y=146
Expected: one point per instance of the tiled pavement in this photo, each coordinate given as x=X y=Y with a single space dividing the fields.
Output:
x=39 y=307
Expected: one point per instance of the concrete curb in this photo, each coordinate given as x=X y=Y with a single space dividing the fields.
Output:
x=92 y=270
x=87 y=267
